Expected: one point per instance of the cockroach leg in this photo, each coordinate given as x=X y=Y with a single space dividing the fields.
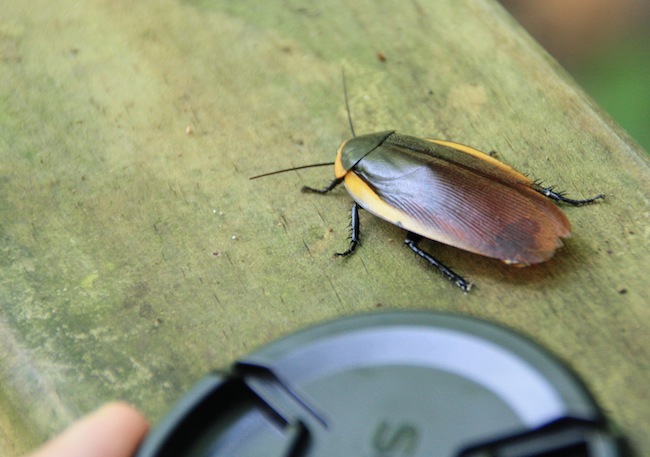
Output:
x=355 y=234
x=412 y=240
x=324 y=190
x=558 y=196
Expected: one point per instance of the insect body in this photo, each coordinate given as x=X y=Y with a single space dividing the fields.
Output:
x=451 y=193
x=448 y=192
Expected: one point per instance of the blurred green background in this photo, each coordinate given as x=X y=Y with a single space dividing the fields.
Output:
x=605 y=46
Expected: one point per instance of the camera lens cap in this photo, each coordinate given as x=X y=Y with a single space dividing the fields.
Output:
x=390 y=384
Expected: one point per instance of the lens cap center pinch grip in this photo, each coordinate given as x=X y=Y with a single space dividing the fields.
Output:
x=390 y=384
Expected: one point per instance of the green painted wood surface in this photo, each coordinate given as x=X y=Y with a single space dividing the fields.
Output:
x=136 y=254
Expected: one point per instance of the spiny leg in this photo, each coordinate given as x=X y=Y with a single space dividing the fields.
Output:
x=355 y=234
x=324 y=190
x=559 y=196
x=412 y=240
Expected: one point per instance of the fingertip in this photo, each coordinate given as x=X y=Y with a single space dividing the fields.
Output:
x=123 y=412
x=114 y=430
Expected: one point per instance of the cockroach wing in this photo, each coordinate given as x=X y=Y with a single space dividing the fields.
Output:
x=462 y=198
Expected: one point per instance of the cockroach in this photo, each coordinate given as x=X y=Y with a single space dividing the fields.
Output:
x=450 y=193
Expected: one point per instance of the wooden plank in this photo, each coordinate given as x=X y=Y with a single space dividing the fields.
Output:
x=137 y=255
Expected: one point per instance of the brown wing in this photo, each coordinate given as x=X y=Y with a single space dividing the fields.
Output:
x=459 y=204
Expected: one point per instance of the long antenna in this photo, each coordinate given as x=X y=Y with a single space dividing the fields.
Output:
x=313 y=165
x=347 y=105
x=347 y=108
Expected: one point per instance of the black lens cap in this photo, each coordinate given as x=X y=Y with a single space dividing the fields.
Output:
x=390 y=384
